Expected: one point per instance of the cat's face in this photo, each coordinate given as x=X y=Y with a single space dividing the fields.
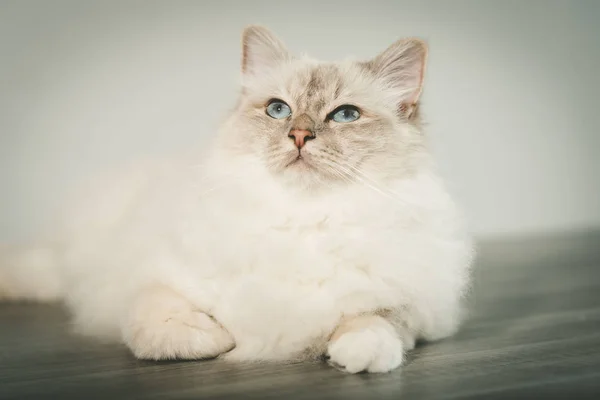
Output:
x=313 y=123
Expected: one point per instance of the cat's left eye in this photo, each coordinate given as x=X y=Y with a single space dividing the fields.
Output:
x=278 y=109
x=345 y=113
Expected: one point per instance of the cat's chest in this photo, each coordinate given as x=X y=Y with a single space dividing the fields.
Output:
x=283 y=279
x=306 y=269
x=301 y=249
x=283 y=235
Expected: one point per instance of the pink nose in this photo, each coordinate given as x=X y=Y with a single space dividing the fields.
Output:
x=300 y=137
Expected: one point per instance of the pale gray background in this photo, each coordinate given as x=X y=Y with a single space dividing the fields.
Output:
x=511 y=93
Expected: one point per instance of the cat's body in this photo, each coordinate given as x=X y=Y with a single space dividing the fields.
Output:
x=354 y=251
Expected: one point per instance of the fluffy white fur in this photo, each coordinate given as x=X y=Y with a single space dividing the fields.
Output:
x=221 y=254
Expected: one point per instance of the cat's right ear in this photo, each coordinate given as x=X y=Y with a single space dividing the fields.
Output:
x=401 y=67
x=261 y=51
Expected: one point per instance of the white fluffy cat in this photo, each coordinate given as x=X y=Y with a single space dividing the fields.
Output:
x=315 y=225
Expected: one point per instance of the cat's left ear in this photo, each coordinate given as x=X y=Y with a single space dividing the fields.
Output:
x=261 y=51
x=402 y=68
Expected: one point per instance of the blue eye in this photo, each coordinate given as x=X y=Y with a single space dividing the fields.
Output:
x=345 y=113
x=278 y=109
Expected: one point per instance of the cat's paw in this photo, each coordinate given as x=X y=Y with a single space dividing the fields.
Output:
x=193 y=335
x=165 y=326
x=372 y=347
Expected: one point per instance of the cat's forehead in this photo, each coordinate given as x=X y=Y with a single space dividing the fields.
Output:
x=311 y=85
x=316 y=78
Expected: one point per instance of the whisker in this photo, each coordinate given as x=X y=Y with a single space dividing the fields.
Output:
x=365 y=181
x=359 y=171
x=358 y=175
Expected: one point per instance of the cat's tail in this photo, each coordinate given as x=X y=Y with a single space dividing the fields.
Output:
x=29 y=274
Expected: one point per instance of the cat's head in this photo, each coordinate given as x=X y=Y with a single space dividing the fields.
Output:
x=313 y=123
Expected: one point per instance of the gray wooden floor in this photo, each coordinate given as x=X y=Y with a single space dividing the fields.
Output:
x=534 y=331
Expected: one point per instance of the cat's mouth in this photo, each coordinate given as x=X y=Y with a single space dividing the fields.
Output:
x=299 y=160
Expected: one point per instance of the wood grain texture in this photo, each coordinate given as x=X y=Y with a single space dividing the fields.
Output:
x=534 y=330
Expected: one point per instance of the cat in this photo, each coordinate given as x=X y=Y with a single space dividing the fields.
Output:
x=314 y=226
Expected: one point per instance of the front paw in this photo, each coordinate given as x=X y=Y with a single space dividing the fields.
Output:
x=163 y=325
x=185 y=336
x=369 y=344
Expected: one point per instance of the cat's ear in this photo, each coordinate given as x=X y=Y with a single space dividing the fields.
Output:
x=261 y=51
x=402 y=67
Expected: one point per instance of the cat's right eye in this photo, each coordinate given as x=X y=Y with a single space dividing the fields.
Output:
x=278 y=109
